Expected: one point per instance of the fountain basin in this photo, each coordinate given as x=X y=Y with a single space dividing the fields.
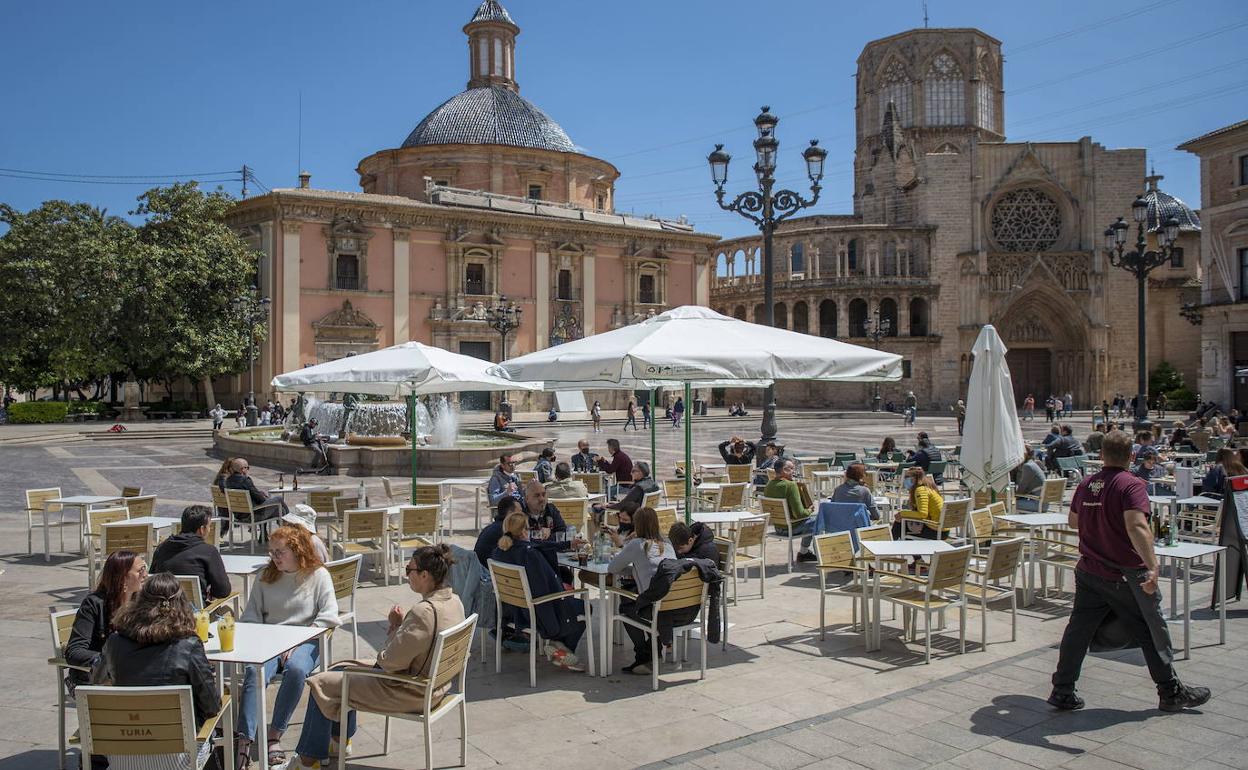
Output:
x=476 y=452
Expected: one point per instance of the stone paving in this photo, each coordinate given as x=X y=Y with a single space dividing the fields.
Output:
x=778 y=697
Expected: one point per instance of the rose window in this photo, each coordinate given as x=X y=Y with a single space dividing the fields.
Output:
x=1026 y=220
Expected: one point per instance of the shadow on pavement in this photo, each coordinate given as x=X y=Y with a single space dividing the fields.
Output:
x=1031 y=721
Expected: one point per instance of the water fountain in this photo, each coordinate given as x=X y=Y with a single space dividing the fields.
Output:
x=372 y=439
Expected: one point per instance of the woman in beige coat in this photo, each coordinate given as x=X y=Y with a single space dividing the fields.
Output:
x=409 y=646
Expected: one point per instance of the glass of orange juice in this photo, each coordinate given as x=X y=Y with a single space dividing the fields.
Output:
x=225 y=627
x=202 y=626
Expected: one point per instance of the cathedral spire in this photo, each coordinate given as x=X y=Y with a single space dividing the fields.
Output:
x=492 y=47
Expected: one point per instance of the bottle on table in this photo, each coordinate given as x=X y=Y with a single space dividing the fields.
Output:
x=363 y=496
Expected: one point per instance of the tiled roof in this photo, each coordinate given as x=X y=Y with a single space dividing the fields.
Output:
x=492 y=10
x=1215 y=133
x=1163 y=206
x=490 y=115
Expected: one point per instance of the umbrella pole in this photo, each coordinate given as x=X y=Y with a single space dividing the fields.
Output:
x=654 y=454
x=411 y=420
x=688 y=457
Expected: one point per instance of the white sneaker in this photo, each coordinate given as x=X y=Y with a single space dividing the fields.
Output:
x=549 y=649
x=334 y=747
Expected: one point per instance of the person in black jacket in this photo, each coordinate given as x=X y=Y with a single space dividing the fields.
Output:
x=122 y=575
x=665 y=574
x=737 y=451
x=487 y=540
x=155 y=644
x=265 y=507
x=925 y=455
x=186 y=553
x=698 y=542
x=636 y=495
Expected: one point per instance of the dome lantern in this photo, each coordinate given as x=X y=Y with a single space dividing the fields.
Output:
x=492 y=47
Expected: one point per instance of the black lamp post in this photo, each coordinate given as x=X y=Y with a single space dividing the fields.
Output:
x=876 y=327
x=1140 y=263
x=766 y=208
x=252 y=311
x=504 y=318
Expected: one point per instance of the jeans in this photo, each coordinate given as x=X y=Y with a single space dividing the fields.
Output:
x=303 y=659
x=1095 y=599
x=1030 y=506
x=801 y=527
x=317 y=730
x=632 y=420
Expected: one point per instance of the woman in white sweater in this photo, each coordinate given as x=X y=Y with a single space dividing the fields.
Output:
x=293 y=590
x=640 y=558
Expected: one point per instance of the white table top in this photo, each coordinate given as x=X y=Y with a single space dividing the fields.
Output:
x=258 y=642
x=1186 y=550
x=708 y=487
x=467 y=480
x=1199 y=500
x=86 y=499
x=243 y=564
x=714 y=466
x=568 y=560
x=1036 y=519
x=158 y=522
x=905 y=547
x=304 y=488
x=1161 y=499
x=832 y=472
x=725 y=517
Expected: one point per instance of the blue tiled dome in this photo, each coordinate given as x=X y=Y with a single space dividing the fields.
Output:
x=1163 y=206
x=490 y=115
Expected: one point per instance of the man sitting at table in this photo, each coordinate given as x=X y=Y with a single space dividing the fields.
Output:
x=642 y=486
x=584 y=461
x=855 y=490
x=1029 y=480
x=542 y=515
x=697 y=541
x=504 y=482
x=564 y=487
x=186 y=553
x=620 y=465
x=925 y=455
x=783 y=486
x=1143 y=446
x=1065 y=446
x=265 y=506
x=737 y=451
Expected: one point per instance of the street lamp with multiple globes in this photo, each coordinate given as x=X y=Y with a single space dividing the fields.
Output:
x=252 y=311
x=504 y=318
x=766 y=208
x=1140 y=263
x=876 y=327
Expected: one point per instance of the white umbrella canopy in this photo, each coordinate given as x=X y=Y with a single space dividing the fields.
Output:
x=696 y=344
x=411 y=368
x=992 y=438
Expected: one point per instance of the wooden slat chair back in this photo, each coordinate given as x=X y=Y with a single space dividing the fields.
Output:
x=525 y=477
x=688 y=590
x=131 y=491
x=143 y=722
x=364 y=524
x=747 y=534
x=239 y=502
x=428 y=494
x=998 y=508
x=511 y=585
x=62 y=624
x=448 y=666
x=810 y=469
x=219 y=500
x=141 y=506
x=948 y=569
x=674 y=490
x=954 y=516
x=393 y=489
x=593 y=482
x=98 y=517
x=342 y=504
x=574 y=510
x=981 y=524
x=776 y=509
x=667 y=517
x=417 y=522
x=345 y=576
x=654 y=499
x=739 y=474
x=323 y=501
x=751 y=533
x=1000 y=566
x=876 y=532
x=37 y=499
x=1051 y=493
x=194 y=592
x=140 y=538
x=511 y=588
x=1004 y=556
x=732 y=497
x=872 y=480
x=835 y=550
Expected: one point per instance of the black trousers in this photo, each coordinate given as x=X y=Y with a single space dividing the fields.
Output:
x=1095 y=599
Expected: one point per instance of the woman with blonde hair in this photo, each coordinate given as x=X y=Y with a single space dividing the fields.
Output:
x=559 y=621
x=922 y=514
x=294 y=589
x=155 y=644
x=638 y=560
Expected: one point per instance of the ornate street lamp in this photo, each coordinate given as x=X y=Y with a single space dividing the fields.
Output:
x=766 y=208
x=504 y=318
x=252 y=312
x=1140 y=263
x=875 y=328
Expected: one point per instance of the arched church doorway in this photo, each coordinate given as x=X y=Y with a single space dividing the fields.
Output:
x=1048 y=353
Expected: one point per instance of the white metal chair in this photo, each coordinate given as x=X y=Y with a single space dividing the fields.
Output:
x=195 y=594
x=946 y=576
x=345 y=574
x=394 y=489
x=243 y=514
x=416 y=527
x=448 y=668
x=836 y=554
x=144 y=505
x=93 y=532
x=62 y=624
x=776 y=509
x=140 y=538
x=1050 y=494
x=36 y=502
x=364 y=533
x=749 y=533
x=1001 y=565
x=511 y=587
x=150 y=722
x=688 y=590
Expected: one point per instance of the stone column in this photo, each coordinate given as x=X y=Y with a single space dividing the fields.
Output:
x=701 y=282
x=290 y=297
x=402 y=286
x=588 y=293
x=541 y=295
x=842 y=316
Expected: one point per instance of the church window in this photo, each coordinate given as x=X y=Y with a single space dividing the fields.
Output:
x=905 y=369
x=1243 y=170
x=781 y=316
x=895 y=87
x=852 y=257
x=798 y=257
x=944 y=92
x=986 y=97
x=888 y=316
x=1026 y=220
x=827 y=319
x=602 y=203
x=483 y=56
x=801 y=318
x=535 y=192
x=564 y=289
x=474 y=278
x=347 y=271
x=858 y=318
x=498 y=56
x=1176 y=259
x=646 y=293
x=918 y=317
x=1243 y=273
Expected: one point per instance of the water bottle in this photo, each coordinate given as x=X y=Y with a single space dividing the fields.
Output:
x=363 y=496
x=600 y=547
x=281 y=480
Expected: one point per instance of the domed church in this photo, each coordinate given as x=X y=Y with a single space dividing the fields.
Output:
x=487 y=200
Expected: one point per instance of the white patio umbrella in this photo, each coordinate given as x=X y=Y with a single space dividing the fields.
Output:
x=407 y=370
x=992 y=438
x=695 y=344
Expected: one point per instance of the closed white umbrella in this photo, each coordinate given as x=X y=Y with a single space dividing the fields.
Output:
x=992 y=438
x=693 y=344
x=405 y=370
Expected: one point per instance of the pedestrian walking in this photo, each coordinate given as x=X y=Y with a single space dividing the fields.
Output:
x=595 y=414
x=1048 y=408
x=218 y=417
x=1029 y=407
x=1116 y=577
x=678 y=411
x=959 y=411
x=632 y=415
x=912 y=409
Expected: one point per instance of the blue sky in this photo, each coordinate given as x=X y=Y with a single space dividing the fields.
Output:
x=158 y=88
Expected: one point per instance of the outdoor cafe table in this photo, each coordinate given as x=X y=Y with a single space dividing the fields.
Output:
x=82 y=503
x=287 y=490
x=720 y=518
x=1188 y=458
x=477 y=484
x=568 y=559
x=1176 y=503
x=1033 y=521
x=254 y=645
x=155 y=522
x=245 y=566
x=883 y=549
x=1186 y=553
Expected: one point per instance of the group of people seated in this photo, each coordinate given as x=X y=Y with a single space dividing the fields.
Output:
x=737 y=410
x=137 y=629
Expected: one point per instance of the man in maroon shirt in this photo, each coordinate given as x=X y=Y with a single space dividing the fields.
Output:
x=620 y=465
x=1117 y=573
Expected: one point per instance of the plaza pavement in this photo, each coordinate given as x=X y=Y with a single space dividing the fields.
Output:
x=777 y=698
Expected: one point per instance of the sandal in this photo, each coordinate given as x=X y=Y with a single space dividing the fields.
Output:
x=277 y=755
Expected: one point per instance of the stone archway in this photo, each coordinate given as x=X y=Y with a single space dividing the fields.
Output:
x=1047 y=336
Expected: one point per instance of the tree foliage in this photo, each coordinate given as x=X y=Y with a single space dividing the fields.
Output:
x=84 y=295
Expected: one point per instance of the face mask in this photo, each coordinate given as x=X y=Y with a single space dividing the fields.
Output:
x=908 y=484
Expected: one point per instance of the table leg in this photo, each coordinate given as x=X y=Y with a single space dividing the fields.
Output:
x=1031 y=573
x=604 y=644
x=1187 y=607
x=47 y=543
x=875 y=607
x=262 y=722
x=1222 y=598
x=1174 y=566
